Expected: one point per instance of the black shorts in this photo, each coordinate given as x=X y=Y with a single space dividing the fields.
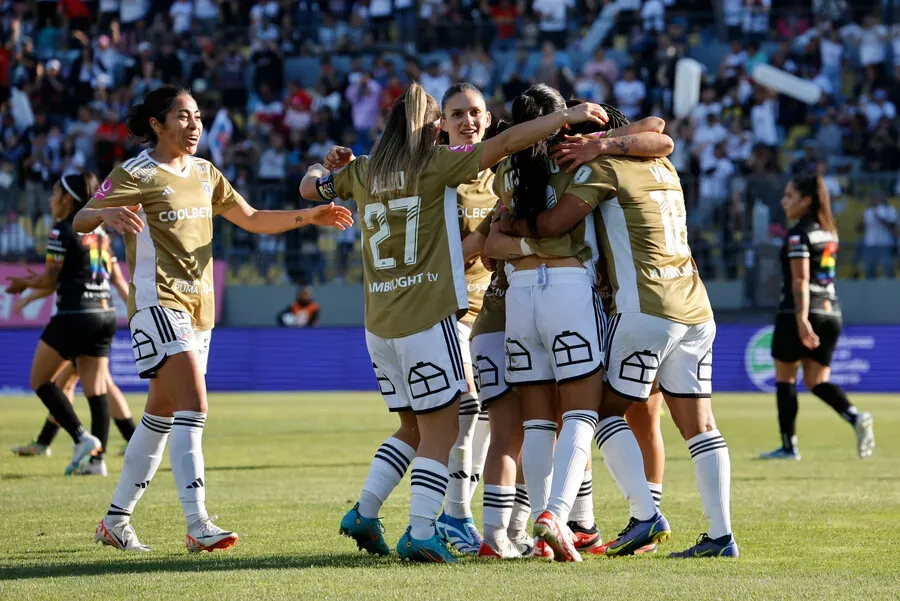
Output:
x=786 y=344
x=81 y=334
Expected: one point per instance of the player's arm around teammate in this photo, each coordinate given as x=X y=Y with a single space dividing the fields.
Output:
x=163 y=202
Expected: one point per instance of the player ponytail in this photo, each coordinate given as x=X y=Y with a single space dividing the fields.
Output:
x=407 y=142
x=531 y=167
x=156 y=106
x=79 y=187
x=814 y=187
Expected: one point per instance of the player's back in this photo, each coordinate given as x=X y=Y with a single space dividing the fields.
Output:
x=412 y=251
x=643 y=236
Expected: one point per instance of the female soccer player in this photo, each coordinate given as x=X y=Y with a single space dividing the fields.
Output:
x=163 y=202
x=66 y=381
x=808 y=323
x=84 y=324
x=415 y=291
x=545 y=344
x=662 y=329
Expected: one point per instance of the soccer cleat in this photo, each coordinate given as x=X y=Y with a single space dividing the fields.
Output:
x=32 y=449
x=865 y=435
x=541 y=550
x=638 y=534
x=92 y=468
x=121 y=536
x=557 y=536
x=84 y=449
x=585 y=538
x=433 y=550
x=500 y=549
x=782 y=453
x=367 y=532
x=203 y=535
x=524 y=543
x=460 y=533
x=724 y=546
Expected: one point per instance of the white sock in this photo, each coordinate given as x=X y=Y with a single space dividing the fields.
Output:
x=142 y=458
x=428 y=483
x=481 y=440
x=573 y=449
x=537 y=462
x=186 y=456
x=498 y=508
x=388 y=467
x=623 y=459
x=518 y=520
x=583 y=509
x=712 y=466
x=656 y=491
x=460 y=463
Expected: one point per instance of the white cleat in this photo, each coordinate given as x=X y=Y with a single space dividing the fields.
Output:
x=121 y=536
x=502 y=548
x=203 y=535
x=523 y=542
x=865 y=435
x=84 y=448
x=92 y=468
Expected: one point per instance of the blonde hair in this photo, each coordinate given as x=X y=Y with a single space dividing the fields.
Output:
x=407 y=143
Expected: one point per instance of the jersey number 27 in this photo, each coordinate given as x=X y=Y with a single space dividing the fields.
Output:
x=376 y=216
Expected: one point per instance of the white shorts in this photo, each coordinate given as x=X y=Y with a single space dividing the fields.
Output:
x=465 y=332
x=643 y=348
x=555 y=326
x=489 y=353
x=422 y=372
x=157 y=333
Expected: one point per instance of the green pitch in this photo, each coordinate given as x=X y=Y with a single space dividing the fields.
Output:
x=283 y=469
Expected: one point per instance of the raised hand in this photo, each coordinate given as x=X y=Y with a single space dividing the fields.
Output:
x=586 y=111
x=337 y=157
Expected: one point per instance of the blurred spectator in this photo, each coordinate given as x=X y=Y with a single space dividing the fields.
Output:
x=716 y=170
x=878 y=108
x=364 y=97
x=552 y=21
x=630 y=93
x=653 y=13
x=879 y=236
x=435 y=81
x=302 y=313
x=272 y=172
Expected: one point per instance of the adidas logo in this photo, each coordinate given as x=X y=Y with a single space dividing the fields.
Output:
x=460 y=475
x=168 y=191
x=142 y=484
x=198 y=483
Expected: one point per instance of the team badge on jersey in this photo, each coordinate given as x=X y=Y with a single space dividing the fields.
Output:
x=582 y=175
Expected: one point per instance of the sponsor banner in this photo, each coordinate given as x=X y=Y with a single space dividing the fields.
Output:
x=244 y=359
x=39 y=312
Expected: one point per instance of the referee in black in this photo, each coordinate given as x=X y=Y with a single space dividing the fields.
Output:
x=82 y=330
x=809 y=322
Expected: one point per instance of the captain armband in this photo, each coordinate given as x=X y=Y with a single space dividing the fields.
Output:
x=325 y=187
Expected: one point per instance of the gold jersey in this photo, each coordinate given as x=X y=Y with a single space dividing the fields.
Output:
x=170 y=260
x=492 y=317
x=642 y=228
x=578 y=242
x=475 y=200
x=413 y=269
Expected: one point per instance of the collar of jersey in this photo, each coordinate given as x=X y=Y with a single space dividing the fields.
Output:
x=167 y=169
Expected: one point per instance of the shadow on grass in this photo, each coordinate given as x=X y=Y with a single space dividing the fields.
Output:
x=297 y=466
x=219 y=563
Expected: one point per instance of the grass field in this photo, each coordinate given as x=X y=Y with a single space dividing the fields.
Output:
x=282 y=470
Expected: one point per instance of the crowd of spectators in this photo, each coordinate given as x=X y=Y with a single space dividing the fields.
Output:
x=70 y=70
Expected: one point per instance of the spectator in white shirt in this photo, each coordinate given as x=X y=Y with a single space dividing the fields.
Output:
x=878 y=108
x=630 y=93
x=707 y=106
x=206 y=13
x=603 y=65
x=708 y=133
x=756 y=17
x=181 y=12
x=552 y=20
x=716 y=170
x=653 y=14
x=762 y=116
x=435 y=81
x=879 y=236
x=739 y=143
x=872 y=42
x=734 y=60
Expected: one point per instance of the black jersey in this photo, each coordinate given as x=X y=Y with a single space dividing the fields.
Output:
x=83 y=283
x=807 y=240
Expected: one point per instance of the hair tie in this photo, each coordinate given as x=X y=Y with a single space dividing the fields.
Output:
x=68 y=189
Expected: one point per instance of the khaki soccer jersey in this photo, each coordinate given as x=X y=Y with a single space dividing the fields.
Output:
x=646 y=262
x=476 y=200
x=579 y=242
x=413 y=268
x=171 y=259
x=492 y=317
